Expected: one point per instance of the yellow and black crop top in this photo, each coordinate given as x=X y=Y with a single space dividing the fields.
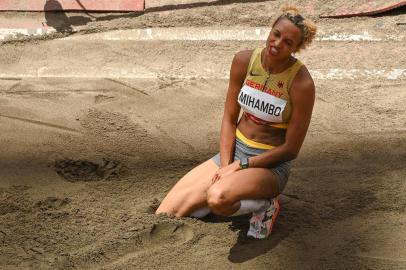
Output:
x=264 y=97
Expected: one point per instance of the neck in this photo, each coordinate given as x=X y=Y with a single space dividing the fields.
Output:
x=276 y=66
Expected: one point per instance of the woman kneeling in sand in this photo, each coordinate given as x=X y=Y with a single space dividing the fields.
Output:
x=276 y=93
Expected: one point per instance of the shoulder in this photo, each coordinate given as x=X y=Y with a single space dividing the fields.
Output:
x=242 y=58
x=239 y=66
x=303 y=81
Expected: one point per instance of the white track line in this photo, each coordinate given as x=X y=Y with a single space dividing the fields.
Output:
x=320 y=74
x=194 y=34
x=354 y=74
x=211 y=34
x=12 y=33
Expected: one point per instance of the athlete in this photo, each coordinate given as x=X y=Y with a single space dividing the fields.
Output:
x=276 y=94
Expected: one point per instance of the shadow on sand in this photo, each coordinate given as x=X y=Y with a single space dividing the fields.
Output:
x=247 y=248
x=59 y=20
x=63 y=24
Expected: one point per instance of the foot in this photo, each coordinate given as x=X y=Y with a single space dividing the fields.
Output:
x=262 y=222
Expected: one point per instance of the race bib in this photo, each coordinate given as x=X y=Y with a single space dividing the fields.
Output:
x=262 y=105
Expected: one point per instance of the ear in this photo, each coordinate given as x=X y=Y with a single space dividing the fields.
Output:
x=298 y=47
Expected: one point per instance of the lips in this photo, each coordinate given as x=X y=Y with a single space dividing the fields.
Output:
x=273 y=50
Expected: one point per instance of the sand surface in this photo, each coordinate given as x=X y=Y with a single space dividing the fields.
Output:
x=95 y=131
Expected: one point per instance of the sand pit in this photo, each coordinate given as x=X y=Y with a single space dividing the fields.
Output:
x=95 y=131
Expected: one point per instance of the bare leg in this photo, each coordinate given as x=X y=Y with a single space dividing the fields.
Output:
x=225 y=195
x=190 y=192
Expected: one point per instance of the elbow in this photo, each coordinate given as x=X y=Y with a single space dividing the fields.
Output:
x=292 y=153
x=229 y=120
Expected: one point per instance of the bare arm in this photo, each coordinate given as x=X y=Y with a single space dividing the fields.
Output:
x=238 y=72
x=302 y=94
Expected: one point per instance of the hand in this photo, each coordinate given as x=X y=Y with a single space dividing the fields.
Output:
x=225 y=171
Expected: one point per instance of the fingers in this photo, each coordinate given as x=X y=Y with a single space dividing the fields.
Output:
x=223 y=172
x=215 y=178
x=218 y=175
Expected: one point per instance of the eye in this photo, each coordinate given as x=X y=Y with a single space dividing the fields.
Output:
x=275 y=33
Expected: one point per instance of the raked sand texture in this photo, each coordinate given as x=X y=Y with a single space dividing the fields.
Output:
x=97 y=126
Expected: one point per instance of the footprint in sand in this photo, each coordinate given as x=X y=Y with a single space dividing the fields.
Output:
x=167 y=234
x=7 y=207
x=52 y=203
x=159 y=236
x=85 y=170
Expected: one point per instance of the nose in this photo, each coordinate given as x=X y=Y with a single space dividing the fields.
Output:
x=277 y=42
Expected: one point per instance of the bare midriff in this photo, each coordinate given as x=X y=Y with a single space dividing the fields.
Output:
x=261 y=133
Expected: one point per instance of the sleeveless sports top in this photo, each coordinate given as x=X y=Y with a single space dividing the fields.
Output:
x=264 y=97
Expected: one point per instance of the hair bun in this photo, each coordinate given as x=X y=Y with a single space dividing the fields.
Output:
x=291 y=9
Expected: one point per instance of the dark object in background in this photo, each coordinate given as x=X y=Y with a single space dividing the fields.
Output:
x=367 y=9
x=57 y=19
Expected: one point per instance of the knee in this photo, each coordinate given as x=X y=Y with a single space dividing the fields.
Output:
x=217 y=201
x=181 y=206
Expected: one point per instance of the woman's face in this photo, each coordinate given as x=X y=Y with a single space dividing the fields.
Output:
x=283 y=40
